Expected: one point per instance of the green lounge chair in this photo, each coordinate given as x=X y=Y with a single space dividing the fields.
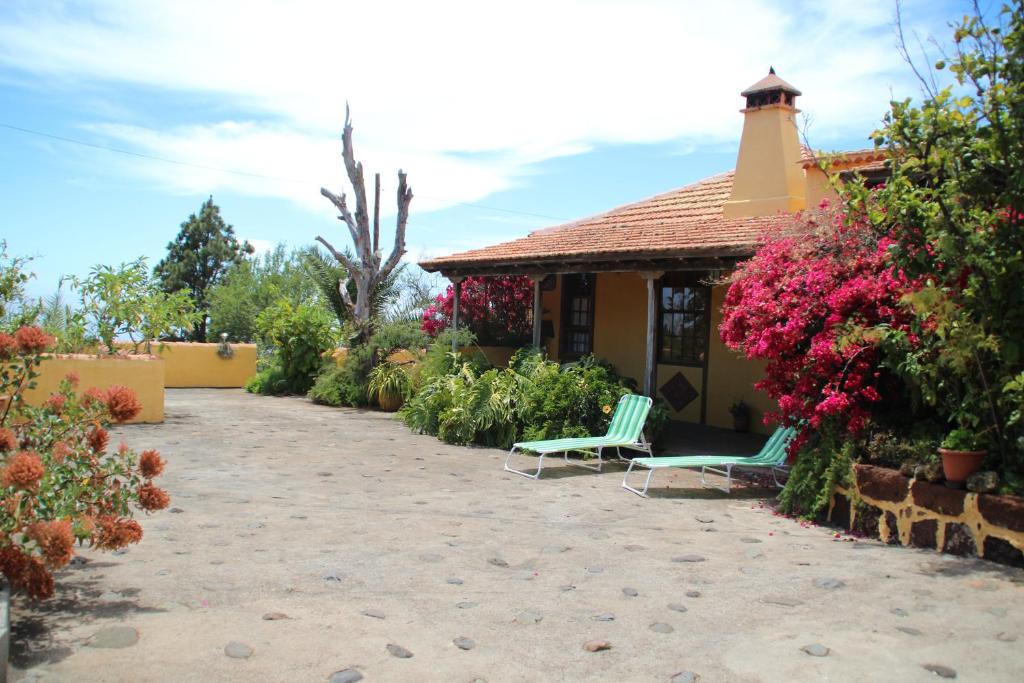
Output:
x=772 y=457
x=625 y=431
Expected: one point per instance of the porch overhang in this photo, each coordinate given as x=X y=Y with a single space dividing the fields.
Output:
x=604 y=263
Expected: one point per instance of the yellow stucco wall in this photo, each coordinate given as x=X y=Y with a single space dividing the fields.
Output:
x=620 y=336
x=731 y=377
x=620 y=322
x=551 y=307
x=198 y=365
x=144 y=374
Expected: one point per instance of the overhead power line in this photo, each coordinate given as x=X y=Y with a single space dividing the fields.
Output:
x=247 y=174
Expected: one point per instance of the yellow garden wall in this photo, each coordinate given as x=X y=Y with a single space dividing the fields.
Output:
x=198 y=365
x=144 y=374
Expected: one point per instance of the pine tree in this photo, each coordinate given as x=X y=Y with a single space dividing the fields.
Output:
x=198 y=257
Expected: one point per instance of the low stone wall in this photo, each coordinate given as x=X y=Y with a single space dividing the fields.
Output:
x=886 y=505
x=144 y=374
x=189 y=364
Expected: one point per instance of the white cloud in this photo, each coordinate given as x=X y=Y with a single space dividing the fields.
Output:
x=466 y=96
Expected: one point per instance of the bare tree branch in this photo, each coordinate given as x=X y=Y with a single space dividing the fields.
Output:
x=404 y=199
x=343 y=213
x=365 y=270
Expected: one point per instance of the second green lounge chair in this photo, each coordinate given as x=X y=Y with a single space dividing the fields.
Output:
x=772 y=458
x=625 y=431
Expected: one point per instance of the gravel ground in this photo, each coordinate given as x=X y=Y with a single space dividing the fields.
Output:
x=306 y=541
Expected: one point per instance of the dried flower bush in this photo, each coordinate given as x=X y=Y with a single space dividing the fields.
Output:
x=60 y=482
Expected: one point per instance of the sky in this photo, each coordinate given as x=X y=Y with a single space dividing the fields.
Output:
x=118 y=118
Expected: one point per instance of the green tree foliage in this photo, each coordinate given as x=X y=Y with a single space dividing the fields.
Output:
x=955 y=206
x=124 y=301
x=13 y=277
x=328 y=275
x=198 y=258
x=253 y=285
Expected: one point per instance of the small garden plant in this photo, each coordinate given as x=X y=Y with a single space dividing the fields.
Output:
x=61 y=480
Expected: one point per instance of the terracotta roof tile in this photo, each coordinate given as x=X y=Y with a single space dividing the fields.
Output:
x=686 y=222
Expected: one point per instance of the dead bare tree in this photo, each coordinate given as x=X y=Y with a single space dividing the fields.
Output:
x=365 y=268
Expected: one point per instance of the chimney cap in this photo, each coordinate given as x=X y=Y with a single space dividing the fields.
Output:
x=770 y=82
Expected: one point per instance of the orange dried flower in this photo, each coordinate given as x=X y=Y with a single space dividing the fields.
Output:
x=33 y=340
x=8 y=442
x=8 y=346
x=122 y=403
x=152 y=497
x=113 y=532
x=26 y=572
x=55 y=541
x=122 y=448
x=72 y=378
x=151 y=464
x=24 y=470
x=61 y=450
x=93 y=395
x=98 y=439
x=55 y=403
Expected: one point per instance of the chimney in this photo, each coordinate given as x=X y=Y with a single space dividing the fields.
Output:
x=769 y=177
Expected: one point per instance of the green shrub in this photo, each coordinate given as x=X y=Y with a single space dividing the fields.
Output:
x=347 y=383
x=822 y=464
x=341 y=384
x=270 y=381
x=532 y=399
x=299 y=335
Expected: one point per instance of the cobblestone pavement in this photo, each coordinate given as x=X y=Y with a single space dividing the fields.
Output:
x=307 y=542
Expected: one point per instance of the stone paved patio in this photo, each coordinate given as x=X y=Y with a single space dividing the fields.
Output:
x=367 y=543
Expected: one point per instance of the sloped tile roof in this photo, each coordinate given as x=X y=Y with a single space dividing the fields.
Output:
x=682 y=223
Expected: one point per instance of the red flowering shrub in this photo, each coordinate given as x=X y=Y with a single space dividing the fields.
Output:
x=499 y=310
x=805 y=304
x=58 y=483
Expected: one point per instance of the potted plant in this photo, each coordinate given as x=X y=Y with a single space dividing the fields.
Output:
x=389 y=384
x=962 y=454
x=740 y=412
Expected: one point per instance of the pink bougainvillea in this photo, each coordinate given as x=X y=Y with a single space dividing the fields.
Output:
x=497 y=309
x=806 y=304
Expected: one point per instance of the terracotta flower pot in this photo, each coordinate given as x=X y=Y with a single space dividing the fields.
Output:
x=390 y=402
x=958 y=465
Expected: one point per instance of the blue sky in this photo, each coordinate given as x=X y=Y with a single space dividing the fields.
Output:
x=507 y=117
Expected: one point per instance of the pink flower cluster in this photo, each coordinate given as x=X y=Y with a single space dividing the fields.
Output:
x=805 y=304
x=494 y=308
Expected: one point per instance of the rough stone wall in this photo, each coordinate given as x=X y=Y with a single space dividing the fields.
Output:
x=886 y=505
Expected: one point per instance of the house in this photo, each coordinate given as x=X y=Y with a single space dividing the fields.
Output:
x=640 y=285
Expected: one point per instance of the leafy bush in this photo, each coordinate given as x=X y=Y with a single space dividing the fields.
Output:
x=299 y=335
x=59 y=481
x=532 y=399
x=126 y=301
x=340 y=384
x=347 y=383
